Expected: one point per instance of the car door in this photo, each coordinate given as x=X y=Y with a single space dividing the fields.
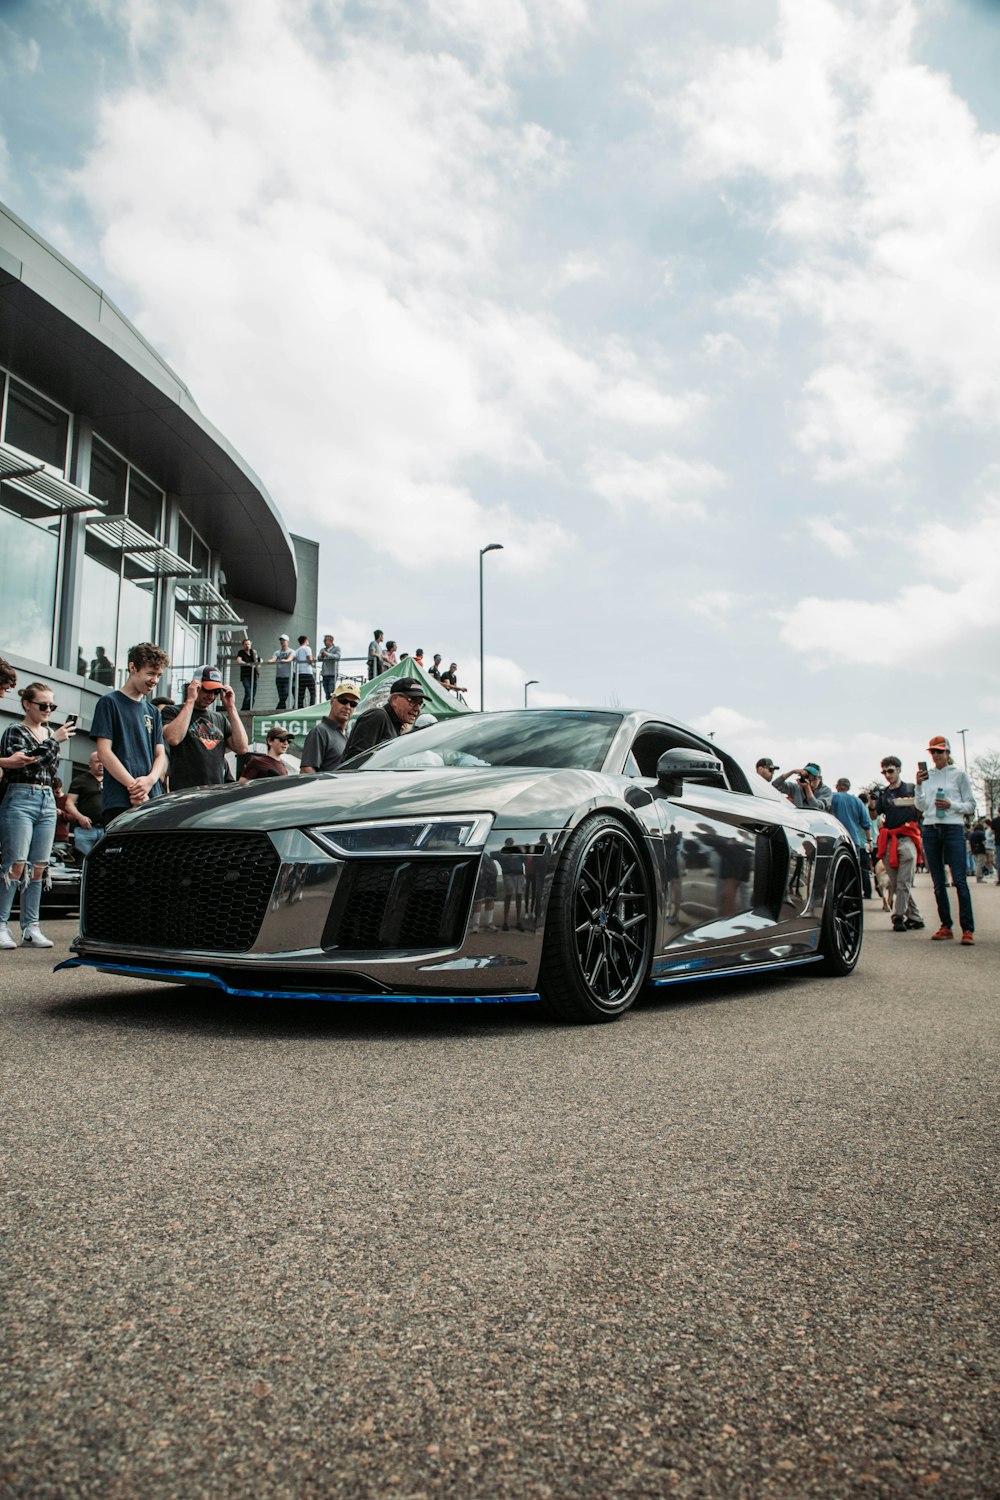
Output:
x=724 y=861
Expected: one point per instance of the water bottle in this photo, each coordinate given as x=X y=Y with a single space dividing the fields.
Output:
x=938 y=809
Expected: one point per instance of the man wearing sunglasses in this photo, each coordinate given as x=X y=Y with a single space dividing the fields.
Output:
x=326 y=745
x=199 y=731
x=899 y=847
x=944 y=796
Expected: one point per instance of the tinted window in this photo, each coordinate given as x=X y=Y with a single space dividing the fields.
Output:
x=553 y=741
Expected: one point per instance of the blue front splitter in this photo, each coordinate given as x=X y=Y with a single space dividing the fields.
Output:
x=200 y=977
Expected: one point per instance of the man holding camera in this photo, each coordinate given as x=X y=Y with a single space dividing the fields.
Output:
x=805 y=787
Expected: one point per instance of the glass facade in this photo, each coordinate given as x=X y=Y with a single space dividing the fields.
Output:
x=119 y=595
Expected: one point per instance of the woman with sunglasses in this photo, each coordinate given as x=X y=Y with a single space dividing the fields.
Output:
x=28 y=811
x=257 y=766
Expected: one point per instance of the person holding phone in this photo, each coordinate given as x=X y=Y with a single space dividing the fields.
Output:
x=944 y=796
x=28 y=811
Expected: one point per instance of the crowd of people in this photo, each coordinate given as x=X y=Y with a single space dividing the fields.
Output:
x=383 y=656
x=304 y=675
x=901 y=827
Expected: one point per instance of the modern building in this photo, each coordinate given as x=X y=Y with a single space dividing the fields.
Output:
x=124 y=514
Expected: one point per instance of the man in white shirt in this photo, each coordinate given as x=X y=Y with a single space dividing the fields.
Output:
x=944 y=796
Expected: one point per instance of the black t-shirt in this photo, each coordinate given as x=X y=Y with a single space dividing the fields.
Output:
x=88 y=792
x=370 y=729
x=199 y=759
x=897 y=804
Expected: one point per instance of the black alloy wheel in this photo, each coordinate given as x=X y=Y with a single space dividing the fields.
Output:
x=599 y=925
x=843 y=916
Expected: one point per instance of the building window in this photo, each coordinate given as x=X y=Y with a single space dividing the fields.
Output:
x=29 y=556
x=145 y=504
x=108 y=477
x=35 y=425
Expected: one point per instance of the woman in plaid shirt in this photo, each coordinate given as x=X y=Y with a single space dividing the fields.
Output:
x=29 y=753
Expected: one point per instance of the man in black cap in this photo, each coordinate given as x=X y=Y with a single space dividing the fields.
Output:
x=766 y=768
x=199 y=731
x=406 y=699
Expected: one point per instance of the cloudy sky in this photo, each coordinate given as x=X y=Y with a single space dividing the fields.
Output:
x=692 y=308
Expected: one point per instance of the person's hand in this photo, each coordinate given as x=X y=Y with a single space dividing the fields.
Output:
x=922 y=775
x=83 y=821
x=193 y=689
x=18 y=759
x=227 y=698
x=942 y=802
x=64 y=732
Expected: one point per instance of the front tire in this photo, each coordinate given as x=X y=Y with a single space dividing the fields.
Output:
x=843 y=916
x=599 y=925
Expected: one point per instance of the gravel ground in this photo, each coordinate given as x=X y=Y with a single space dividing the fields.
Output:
x=742 y=1243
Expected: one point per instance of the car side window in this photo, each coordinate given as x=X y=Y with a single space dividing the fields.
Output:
x=647 y=747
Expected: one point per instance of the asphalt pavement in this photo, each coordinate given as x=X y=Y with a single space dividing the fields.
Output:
x=741 y=1243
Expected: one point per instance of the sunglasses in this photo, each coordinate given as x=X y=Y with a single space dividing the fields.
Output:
x=43 y=708
x=937 y=750
x=889 y=770
x=352 y=701
x=281 y=739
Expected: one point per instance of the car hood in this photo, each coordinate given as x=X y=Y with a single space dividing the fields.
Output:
x=539 y=797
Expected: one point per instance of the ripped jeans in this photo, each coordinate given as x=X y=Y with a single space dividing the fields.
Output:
x=27 y=828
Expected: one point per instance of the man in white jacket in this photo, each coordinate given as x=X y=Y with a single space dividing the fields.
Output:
x=944 y=796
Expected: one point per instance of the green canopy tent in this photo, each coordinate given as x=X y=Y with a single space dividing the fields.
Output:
x=374 y=694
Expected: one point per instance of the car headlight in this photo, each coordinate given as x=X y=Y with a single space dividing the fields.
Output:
x=465 y=832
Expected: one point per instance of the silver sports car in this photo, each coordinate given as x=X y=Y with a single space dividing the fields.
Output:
x=569 y=856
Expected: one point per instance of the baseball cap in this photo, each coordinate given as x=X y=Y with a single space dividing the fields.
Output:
x=347 y=690
x=813 y=768
x=767 y=763
x=939 y=743
x=409 y=687
x=209 y=677
x=282 y=638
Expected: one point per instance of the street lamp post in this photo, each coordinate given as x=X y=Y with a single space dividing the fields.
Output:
x=531 y=682
x=965 y=759
x=491 y=547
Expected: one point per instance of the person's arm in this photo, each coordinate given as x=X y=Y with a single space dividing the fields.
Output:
x=238 y=741
x=311 y=754
x=177 y=726
x=965 y=802
x=73 y=813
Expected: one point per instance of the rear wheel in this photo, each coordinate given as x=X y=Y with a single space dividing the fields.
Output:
x=599 y=925
x=843 y=916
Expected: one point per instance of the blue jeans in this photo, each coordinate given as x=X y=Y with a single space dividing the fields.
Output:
x=27 y=828
x=944 y=844
x=85 y=839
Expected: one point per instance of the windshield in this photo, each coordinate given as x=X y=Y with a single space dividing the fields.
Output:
x=558 y=741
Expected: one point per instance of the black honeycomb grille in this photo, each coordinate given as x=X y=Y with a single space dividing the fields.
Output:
x=388 y=904
x=193 y=891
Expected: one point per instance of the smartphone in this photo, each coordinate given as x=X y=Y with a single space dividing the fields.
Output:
x=72 y=720
x=921 y=765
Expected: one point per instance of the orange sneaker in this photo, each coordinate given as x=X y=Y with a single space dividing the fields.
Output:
x=941 y=934
x=968 y=939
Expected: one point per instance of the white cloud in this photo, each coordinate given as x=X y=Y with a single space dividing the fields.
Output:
x=831 y=535
x=848 y=426
x=949 y=623
x=665 y=483
x=885 y=202
x=717 y=604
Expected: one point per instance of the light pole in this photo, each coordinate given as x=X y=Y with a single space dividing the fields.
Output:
x=531 y=682
x=965 y=760
x=491 y=547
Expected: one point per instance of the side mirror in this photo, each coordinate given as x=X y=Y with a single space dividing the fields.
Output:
x=677 y=766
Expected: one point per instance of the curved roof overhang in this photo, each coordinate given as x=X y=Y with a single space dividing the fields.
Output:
x=60 y=333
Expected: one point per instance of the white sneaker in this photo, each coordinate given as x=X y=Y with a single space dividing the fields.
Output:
x=6 y=941
x=34 y=937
